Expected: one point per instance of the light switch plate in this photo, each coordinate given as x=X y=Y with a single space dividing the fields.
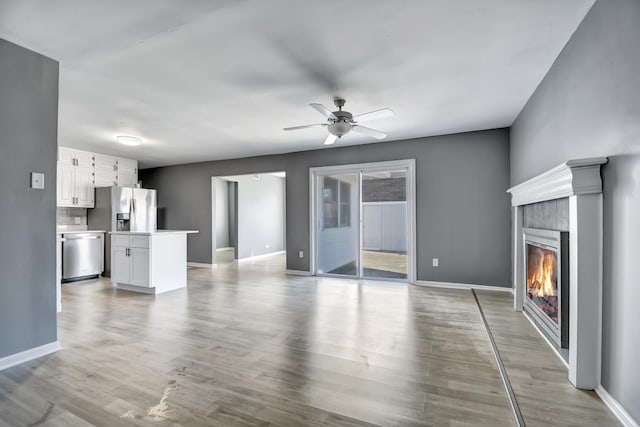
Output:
x=435 y=262
x=37 y=180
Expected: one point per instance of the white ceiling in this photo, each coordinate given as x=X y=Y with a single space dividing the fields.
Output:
x=214 y=79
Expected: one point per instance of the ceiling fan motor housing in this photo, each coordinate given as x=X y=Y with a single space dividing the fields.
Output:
x=342 y=125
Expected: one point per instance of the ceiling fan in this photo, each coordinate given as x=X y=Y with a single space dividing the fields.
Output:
x=340 y=123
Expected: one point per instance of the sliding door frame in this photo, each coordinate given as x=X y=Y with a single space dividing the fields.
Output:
x=409 y=165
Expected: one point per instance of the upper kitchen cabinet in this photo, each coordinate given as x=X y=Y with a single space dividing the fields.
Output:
x=75 y=178
x=73 y=157
x=106 y=173
x=127 y=172
x=79 y=172
x=115 y=171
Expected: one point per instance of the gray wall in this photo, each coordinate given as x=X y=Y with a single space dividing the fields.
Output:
x=463 y=214
x=28 y=143
x=222 y=212
x=589 y=105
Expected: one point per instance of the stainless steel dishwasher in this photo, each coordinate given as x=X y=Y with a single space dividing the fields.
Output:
x=82 y=255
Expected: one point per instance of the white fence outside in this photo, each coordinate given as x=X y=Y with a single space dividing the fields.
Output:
x=384 y=226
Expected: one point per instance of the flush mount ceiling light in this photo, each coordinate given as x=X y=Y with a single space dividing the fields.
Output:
x=128 y=140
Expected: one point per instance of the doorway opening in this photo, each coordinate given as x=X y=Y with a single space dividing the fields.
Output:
x=248 y=217
x=363 y=221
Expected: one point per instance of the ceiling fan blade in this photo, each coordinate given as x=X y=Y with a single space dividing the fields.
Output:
x=373 y=115
x=323 y=110
x=305 y=126
x=368 y=132
x=331 y=139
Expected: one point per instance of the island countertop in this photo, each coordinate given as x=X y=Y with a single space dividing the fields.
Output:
x=152 y=233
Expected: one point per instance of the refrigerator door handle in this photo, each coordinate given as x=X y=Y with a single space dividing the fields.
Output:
x=132 y=214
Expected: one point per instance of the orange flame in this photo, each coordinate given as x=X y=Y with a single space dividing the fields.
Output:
x=541 y=274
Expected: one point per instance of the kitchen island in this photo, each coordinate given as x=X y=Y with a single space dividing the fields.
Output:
x=149 y=262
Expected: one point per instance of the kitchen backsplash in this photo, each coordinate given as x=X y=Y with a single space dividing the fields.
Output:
x=71 y=219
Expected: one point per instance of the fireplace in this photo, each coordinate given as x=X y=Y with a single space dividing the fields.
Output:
x=579 y=274
x=546 y=281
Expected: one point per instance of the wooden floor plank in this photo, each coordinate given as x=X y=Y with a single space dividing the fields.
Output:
x=538 y=377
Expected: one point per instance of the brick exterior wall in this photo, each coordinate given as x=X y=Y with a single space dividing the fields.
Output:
x=384 y=190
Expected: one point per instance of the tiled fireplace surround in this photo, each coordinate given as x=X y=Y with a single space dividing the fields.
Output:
x=574 y=186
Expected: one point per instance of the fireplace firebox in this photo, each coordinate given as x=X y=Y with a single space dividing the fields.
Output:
x=546 y=281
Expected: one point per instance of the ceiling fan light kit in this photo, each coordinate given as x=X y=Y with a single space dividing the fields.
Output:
x=339 y=123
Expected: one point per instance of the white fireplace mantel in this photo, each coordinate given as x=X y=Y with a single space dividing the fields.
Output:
x=581 y=176
x=580 y=181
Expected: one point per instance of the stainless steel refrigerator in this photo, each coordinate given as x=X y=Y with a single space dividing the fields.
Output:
x=122 y=209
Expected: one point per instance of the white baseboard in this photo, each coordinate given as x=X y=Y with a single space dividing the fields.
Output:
x=201 y=264
x=298 y=273
x=466 y=286
x=27 y=355
x=623 y=416
x=253 y=258
x=228 y=248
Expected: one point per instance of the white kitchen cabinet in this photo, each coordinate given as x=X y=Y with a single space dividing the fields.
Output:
x=105 y=178
x=120 y=264
x=151 y=263
x=106 y=171
x=140 y=275
x=129 y=264
x=65 y=190
x=127 y=179
x=127 y=172
x=128 y=166
x=84 y=159
x=104 y=162
x=84 y=187
x=74 y=186
x=73 y=157
x=66 y=156
x=79 y=172
x=74 y=178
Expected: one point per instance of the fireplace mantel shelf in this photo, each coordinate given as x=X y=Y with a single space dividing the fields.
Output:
x=574 y=177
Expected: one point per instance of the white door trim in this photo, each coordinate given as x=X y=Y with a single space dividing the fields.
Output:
x=408 y=164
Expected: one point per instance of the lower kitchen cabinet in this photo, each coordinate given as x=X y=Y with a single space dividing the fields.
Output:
x=120 y=264
x=151 y=263
x=140 y=267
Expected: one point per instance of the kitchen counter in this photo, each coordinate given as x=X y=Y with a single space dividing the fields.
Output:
x=151 y=233
x=149 y=262
x=80 y=231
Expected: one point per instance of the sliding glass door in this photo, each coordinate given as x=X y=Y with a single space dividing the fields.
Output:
x=362 y=221
x=384 y=224
x=337 y=226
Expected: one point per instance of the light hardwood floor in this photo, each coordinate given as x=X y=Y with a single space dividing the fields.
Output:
x=538 y=377
x=245 y=345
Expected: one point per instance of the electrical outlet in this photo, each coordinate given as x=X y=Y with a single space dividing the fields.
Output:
x=77 y=220
x=300 y=254
x=267 y=246
x=435 y=262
